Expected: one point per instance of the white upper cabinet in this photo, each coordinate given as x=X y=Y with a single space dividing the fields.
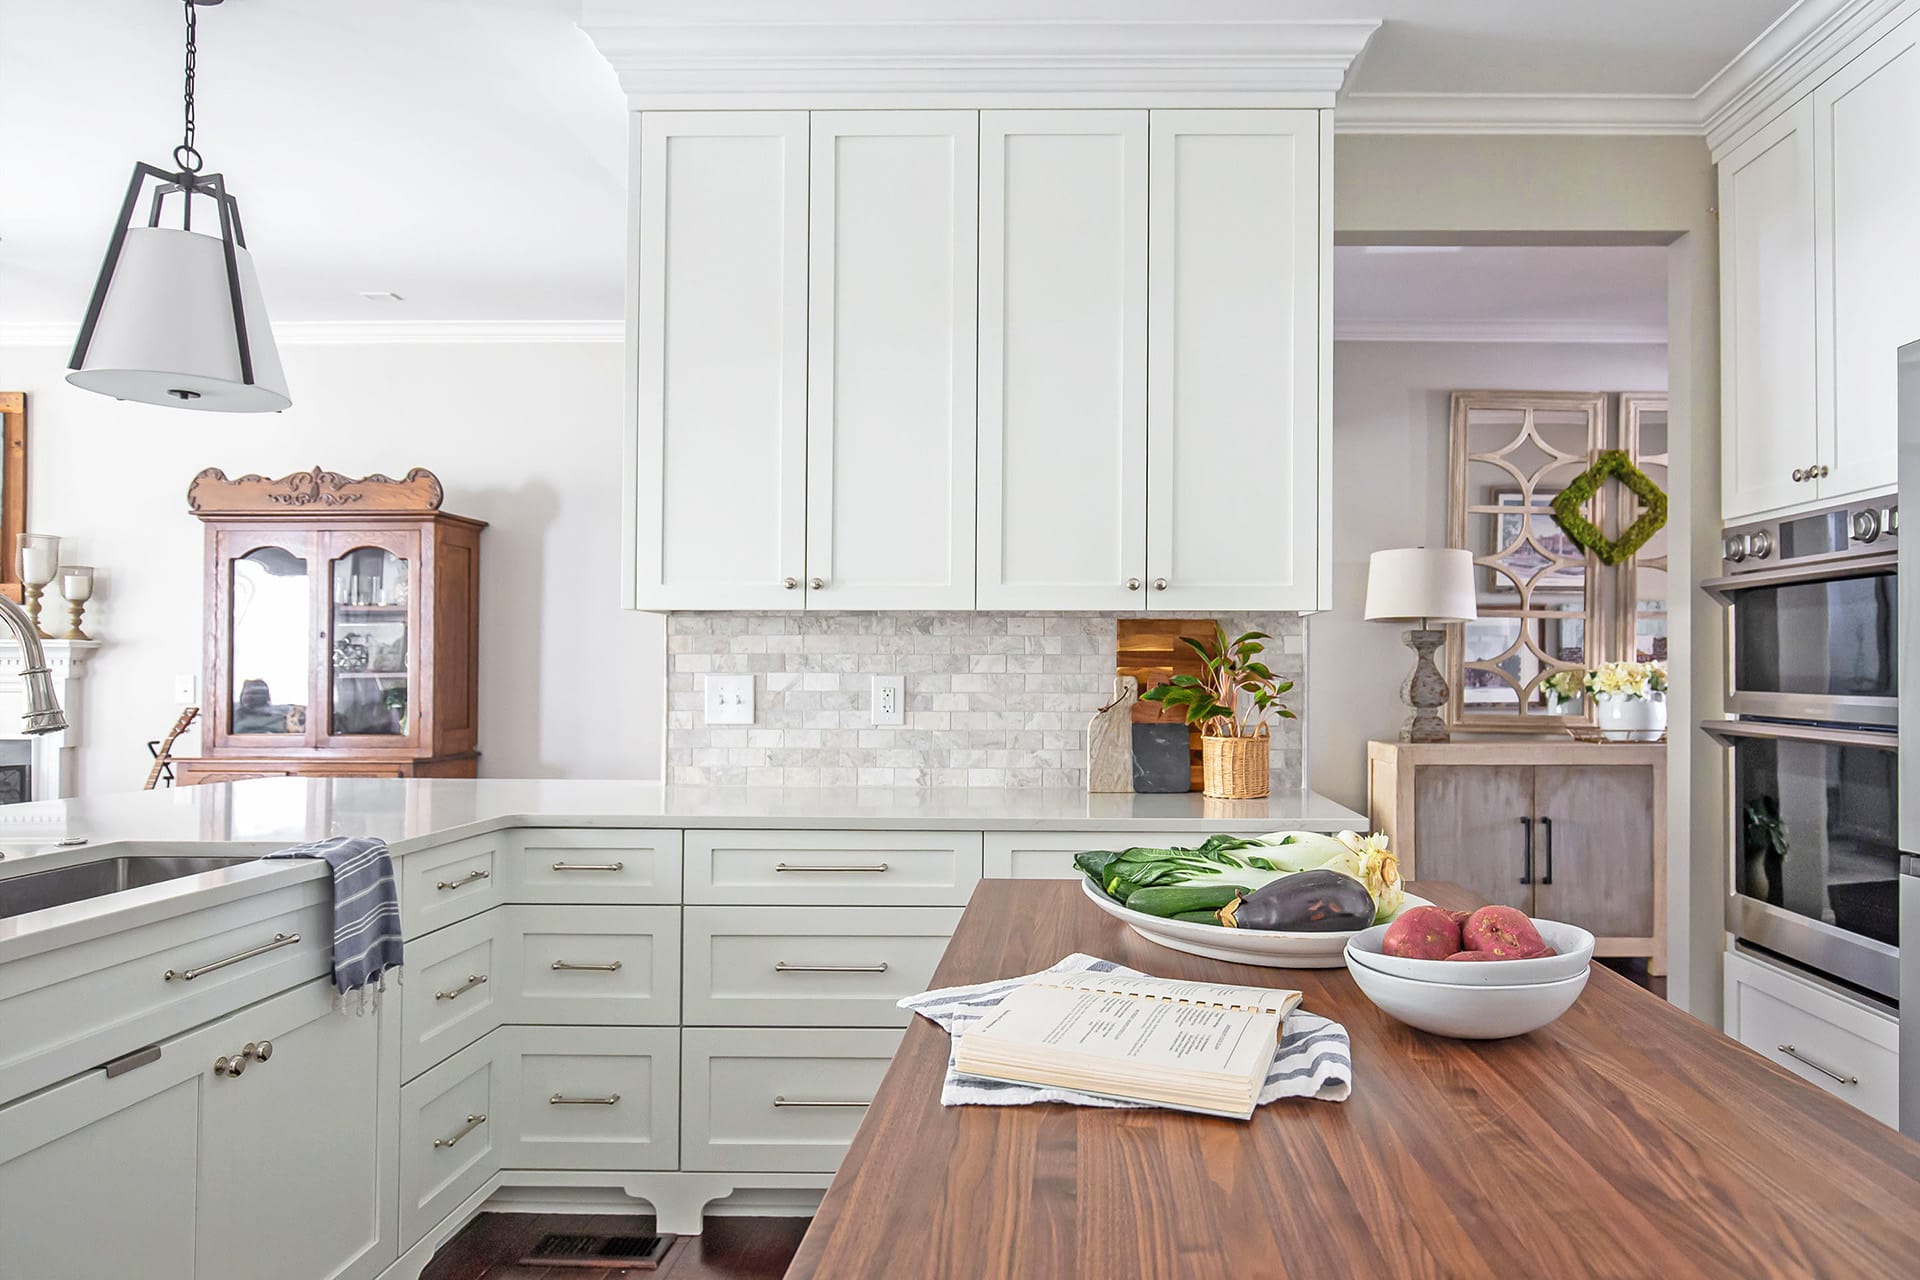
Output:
x=1234 y=316
x=890 y=395
x=719 y=509
x=1866 y=130
x=1063 y=352
x=1767 y=319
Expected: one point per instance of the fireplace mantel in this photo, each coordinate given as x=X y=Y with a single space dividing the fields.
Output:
x=53 y=753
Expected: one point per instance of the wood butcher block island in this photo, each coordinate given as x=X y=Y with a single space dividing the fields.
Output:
x=1627 y=1139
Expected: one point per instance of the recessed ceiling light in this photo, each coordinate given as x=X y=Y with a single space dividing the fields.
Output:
x=382 y=295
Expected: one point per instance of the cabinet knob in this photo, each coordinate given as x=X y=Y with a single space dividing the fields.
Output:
x=1159 y=584
x=818 y=584
x=259 y=1052
x=1133 y=584
x=790 y=583
x=1799 y=474
x=229 y=1067
x=1820 y=472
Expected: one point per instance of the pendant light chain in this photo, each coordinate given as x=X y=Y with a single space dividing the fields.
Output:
x=185 y=155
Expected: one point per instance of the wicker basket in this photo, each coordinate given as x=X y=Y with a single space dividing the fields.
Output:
x=1236 y=768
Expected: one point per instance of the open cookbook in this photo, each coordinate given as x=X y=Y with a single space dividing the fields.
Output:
x=1194 y=1046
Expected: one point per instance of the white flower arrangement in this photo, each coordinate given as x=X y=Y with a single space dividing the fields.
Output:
x=1616 y=679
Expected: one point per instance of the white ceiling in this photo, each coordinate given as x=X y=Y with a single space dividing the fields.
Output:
x=1500 y=294
x=470 y=155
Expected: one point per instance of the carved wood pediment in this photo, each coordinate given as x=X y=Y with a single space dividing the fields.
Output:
x=313 y=493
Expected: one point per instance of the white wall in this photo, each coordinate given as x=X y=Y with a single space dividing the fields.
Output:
x=523 y=435
x=1390 y=417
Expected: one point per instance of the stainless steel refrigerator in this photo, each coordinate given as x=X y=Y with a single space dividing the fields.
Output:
x=1909 y=668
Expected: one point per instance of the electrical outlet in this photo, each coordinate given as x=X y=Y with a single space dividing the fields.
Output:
x=185 y=690
x=889 y=700
x=729 y=699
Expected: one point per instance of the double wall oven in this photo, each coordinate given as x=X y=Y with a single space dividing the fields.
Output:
x=1812 y=695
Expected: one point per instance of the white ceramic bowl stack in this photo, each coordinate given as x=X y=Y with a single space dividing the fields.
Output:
x=1490 y=1000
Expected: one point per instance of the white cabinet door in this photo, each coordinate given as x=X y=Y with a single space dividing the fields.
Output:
x=299 y=1156
x=1867 y=247
x=719 y=467
x=1233 y=360
x=97 y=1177
x=890 y=391
x=1767 y=318
x=1063 y=375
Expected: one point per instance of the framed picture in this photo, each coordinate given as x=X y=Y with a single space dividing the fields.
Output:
x=1544 y=556
x=13 y=488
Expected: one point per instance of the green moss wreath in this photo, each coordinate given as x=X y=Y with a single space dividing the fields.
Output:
x=1566 y=507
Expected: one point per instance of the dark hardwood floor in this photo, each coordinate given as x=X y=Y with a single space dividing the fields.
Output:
x=491 y=1246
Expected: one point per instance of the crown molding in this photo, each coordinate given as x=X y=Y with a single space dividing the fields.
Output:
x=1775 y=66
x=661 y=61
x=299 y=333
x=1517 y=113
x=1497 y=331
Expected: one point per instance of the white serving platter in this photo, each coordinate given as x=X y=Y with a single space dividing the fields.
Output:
x=1270 y=948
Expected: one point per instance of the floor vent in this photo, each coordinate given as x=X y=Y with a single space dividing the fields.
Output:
x=605 y=1252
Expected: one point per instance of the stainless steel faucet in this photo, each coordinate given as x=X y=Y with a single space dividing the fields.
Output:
x=43 y=706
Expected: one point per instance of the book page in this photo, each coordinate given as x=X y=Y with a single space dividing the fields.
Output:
x=1128 y=1030
x=1267 y=999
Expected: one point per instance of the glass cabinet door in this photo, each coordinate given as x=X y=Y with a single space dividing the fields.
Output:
x=270 y=613
x=371 y=665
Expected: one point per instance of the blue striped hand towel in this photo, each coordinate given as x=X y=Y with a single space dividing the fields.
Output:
x=1314 y=1059
x=366 y=910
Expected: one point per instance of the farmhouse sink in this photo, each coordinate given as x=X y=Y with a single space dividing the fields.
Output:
x=85 y=881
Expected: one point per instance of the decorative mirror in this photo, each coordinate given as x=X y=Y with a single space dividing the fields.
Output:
x=1545 y=602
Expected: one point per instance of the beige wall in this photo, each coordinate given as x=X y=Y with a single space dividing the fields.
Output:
x=520 y=434
x=1588 y=190
x=1391 y=402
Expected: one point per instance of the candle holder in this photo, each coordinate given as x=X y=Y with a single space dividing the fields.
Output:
x=39 y=564
x=76 y=584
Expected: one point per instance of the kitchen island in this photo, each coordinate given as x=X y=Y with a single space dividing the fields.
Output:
x=1626 y=1139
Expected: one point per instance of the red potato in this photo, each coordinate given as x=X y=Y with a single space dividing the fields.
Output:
x=1460 y=918
x=1422 y=933
x=1503 y=932
x=1476 y=955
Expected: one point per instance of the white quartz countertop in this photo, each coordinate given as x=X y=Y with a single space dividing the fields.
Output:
x=257 y=816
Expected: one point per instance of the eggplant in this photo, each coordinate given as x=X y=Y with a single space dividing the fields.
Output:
x=1317 y=901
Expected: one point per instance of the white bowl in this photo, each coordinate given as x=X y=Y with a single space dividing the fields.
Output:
x=1272 y=948
x=1574 y=944
x=1468 y=1012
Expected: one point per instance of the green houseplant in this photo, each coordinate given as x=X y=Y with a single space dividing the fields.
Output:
x=1231 y=704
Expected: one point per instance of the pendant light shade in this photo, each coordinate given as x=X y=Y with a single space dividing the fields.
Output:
x=176 y=316
x=166 y=332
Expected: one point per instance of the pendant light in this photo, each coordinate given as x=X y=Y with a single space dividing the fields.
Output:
x=176 y=317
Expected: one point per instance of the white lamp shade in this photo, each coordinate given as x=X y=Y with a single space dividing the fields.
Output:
x=166 y=325
x=1431 y=583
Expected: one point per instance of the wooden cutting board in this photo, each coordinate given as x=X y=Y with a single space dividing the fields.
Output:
x=1149 y=650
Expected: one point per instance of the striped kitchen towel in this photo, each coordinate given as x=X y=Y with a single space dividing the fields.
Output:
x=366 y=912
x=1315 y=1058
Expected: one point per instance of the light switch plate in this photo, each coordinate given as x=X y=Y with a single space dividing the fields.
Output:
x=729 y=699
x=185 y=690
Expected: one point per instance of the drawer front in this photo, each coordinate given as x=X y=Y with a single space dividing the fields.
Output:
x=1048 y=855
x=594 y=965
x=810 y=966
x=453 y=990
x=450 y=1119
x=452 y=882
x=593 y=1098
x=832 y=868
x=1825 y=1040
x=74 y=1007
x=574 y=865
x=778 y=1102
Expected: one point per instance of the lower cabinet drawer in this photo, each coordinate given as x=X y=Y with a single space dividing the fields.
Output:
x=810 y=966
x=451 y=882
x=776 y=1101
x=591 y=1097
x=449 y=1135
x=1827 y=1039
x=833 y=868
x=593 y=965
x=452 y=993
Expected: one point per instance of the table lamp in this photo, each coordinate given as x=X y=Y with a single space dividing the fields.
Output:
x=1427 y=585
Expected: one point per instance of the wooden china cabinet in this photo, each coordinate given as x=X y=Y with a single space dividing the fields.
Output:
x=342 y=629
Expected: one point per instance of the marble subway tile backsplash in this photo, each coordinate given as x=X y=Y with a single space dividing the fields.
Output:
x=992 y=699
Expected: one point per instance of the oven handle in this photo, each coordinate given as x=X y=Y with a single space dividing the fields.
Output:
x=1725 y=729
x=1722 y=589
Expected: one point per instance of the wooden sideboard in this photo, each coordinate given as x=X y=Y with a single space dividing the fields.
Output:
x=1572 y=831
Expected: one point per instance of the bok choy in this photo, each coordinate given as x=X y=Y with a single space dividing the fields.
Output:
x=1248 y=863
